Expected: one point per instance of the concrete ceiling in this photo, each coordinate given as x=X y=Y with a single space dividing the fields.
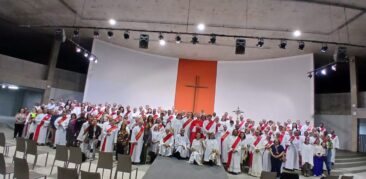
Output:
x=326 y=20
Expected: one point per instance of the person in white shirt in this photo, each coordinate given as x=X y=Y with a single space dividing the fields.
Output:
x=212 y=150
x=181 y=145
x=196 y=150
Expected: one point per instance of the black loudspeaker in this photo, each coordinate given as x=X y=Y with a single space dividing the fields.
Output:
x=240 y=46
x=340 y=55
x=144 y=41
x=285 y=175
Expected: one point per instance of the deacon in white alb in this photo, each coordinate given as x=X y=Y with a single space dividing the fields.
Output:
x=61 y=124
x=181 y=145
x=137 y=141
x=212 y=152
x=196 y=150
x=167 y=143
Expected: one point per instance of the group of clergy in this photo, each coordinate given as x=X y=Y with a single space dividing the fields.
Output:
x=200 y=138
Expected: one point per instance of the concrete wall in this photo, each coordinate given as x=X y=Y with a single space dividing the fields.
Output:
x=335 y=104
x=342 y=124
x=57 y=93
x=12 y=100
x=362 y=99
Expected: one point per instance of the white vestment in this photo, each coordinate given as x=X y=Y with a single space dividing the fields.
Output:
x=137 y=147
x=267 y=157
x=155 y=140
x=292 y=154
x=257 y=162
x=61 y=126
x=43 y=129
x=181 y=145
x=307 y=154
x=166 y=151
x=110 y=138
x=209 y=129
x=212 y=145
x=176 y=125
x=234 y=165
x=224 y=139
x=335 y=141
x=196 y=155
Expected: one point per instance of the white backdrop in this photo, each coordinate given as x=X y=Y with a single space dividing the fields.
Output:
x=130 y=78
x=276 y=89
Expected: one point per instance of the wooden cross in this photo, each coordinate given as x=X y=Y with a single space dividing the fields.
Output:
x=195 y=87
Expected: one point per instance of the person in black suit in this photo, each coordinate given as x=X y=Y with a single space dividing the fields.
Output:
x=91 y=139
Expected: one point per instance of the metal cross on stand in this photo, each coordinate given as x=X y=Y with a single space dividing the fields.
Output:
x=238 y=112
x=196 y=86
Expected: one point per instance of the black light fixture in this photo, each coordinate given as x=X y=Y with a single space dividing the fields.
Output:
x=144 y=41
x=283 y=44
x=178 y=40
x=240 y=46
x=126 y=35
x=212 y=39
x=194 y=40
x=301 y=45
x=260 y=42
x=310 y=75
x=324 y=48
x=96 y=34
x=110 y=34
x=76 y=33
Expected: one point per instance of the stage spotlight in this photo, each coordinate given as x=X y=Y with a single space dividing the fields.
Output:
x=201 y=27
x=112 y=22
x=324 y=48
x=91 y=58
x=334 y=67
x=310 y=75
x=324 y=71
x=110 y=34
x=96 y=61
x=161 y=40
x=126 y=35
x=194 y=40
x=260 y=42
x=96 y=34
x=76 y=33
x=86 y=54
x=212 y=39
x=296 y=33
x=78 y=49
x=240 y=46
x=144 y=41
x=178 y=40
x=283 y=44
x=301 y=45
x=3 y=86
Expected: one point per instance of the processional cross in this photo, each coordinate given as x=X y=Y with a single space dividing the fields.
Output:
x=196 y=86
x=238 y=112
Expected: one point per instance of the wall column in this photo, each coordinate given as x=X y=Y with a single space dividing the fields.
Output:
x=51 y=70
x=354 y=103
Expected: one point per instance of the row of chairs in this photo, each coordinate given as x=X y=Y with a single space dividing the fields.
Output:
x=4 y=144
x=29 y=147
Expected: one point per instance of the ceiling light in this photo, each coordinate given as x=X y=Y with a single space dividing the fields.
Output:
x=301 y=45
x=126 y=35
x=86 y=54
x=310 y=75
x=283 y=44
x=201 y=26
x=161 y=40
x=324 y=71
x=96 y=61
x=178 y=39
x=194 y=40
x=112 y=22
x=13 y=87
x=260 y=42
x=324 y=48
x=78 y=49
x=296 y=33
x=334 y=67
x=76 y=33
x=96 y=34
x=110 y=34
x=213 y=39
x=91 y=58
x=3 y=86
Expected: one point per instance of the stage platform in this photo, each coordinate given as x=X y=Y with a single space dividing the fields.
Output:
x=172 y=168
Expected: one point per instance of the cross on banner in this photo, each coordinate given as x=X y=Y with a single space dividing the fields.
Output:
x=196 y=86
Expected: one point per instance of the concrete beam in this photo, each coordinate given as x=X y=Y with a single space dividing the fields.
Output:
x=51 y=70
x=354 y=103
x=20 y=80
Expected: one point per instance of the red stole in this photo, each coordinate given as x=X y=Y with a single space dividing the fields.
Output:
x=169 y=119
x=209 y=125
x=241 y=124
x=269 y=144
x=62 y=120
x=126 y=115
x=38 y=129
x=230 y=154
x=224 y=136
x=167 y=137
x=137 y=137
x=264 y=126
x=105 y=137
x=99 y=115
x=256 y=142
x=333 y=136
x=322 y=129
x=281 y=136
x=186 y=123
x=316 y=140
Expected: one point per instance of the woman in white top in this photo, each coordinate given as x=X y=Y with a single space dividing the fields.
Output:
x=19 y=123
